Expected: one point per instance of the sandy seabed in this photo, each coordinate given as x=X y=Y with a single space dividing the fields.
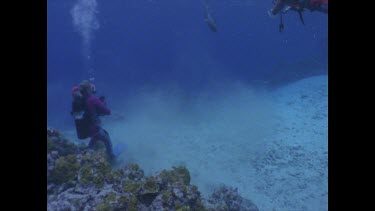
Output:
x=271 y=145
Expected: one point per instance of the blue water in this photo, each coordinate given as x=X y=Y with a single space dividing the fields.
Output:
x=139 y=46
x=159 y=42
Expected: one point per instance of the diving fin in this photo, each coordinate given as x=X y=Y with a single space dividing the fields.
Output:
x=119 y=148
x=301 y=17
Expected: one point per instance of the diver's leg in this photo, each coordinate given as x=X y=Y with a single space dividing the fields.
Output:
x=108 y=144
x=93 y=141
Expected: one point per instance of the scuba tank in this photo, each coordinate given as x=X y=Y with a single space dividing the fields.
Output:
x=81 y=117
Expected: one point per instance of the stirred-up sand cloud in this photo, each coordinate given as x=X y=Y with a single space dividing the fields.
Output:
x=165 y=127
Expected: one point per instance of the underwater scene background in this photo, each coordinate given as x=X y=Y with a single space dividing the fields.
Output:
x=245 y=106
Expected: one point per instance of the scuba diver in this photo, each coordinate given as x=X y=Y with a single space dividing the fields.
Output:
x=86 y=109
x=283 y=6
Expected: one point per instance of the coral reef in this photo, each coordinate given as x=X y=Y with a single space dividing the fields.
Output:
x=227 y=198
x=82 y=179
x=56 y=142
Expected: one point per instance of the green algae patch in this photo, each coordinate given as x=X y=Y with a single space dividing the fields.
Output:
x=95 y=169
x=133 y=171
x=87 y=174
x=194 y=188
x=222 y=208
x=56 y=142
x=133 y=167
x=166 y=196
x=111 y=197
x=183 y=173
x=99 y=182
x=130 y=186
x=184 y=208
x=179 y=175
x=150 y=185
x=115 y=176
x=108 y=203
x=131 y=203
x=50 y=144
x=177 y=205
x=184 y=189
x=66 y=169
x=104 y=206
x=200 y=206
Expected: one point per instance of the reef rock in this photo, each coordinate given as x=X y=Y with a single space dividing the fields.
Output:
x=227 y=198
x=82 y=179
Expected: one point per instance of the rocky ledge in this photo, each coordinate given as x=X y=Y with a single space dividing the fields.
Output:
x=82 y=179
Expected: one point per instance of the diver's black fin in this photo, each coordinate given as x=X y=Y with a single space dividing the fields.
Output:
x=301 y=17
x=281 y=25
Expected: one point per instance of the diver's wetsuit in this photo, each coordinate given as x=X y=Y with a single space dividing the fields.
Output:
x=318 y=5
x=96 y=108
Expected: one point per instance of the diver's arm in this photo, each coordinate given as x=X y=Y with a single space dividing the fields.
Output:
x=100 y=107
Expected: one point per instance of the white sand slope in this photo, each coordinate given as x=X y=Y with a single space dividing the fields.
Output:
x=271 y=146
x=293 y=173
